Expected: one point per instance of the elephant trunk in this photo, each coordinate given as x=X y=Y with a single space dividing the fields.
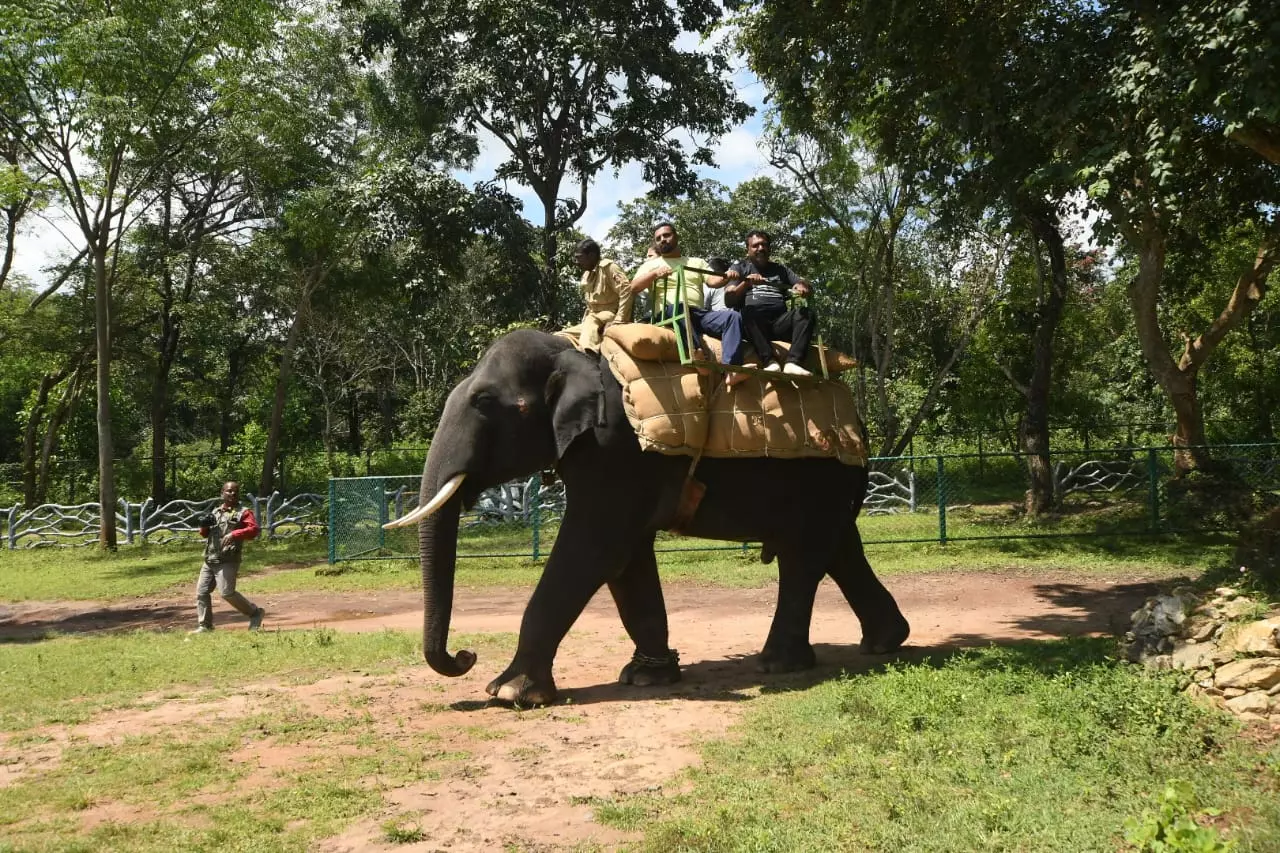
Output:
x=438 y=555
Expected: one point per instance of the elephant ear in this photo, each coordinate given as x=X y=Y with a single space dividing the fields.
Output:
x=575 y=396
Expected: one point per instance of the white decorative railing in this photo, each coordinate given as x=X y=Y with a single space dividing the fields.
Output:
x=890 y=494
x=55 y=525
x=1115 y=476
x=507 y=503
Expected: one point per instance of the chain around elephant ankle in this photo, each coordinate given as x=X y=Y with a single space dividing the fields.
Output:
x=672 y=657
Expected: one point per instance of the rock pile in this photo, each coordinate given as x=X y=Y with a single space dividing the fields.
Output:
x=1232 y=654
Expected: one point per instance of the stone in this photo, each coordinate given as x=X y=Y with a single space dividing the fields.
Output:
x=1238 y=608
x=1233 y=692
x=1199 y=628
x=1248 y=674
x=1222 y=656
x=1161 y=616
x=1158 y=662
x=1226 y=592
x=1191 y=656
x=1258 y=637
x=1274 y=691
x=1254 y=702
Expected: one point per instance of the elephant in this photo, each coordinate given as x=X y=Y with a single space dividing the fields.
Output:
x=533 y=402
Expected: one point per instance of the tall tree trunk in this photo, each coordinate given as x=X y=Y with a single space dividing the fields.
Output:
x=386 y=405
x=34 y=422
x=159 y=432
x=53 y=426
x=550 y=275
x=266 y=483
x=355 y=440
x=102 y=321
x=1034 y=432
x=1178 y=378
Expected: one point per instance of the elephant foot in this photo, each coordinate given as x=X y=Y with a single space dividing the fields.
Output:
x=885 y=640
x=646 y=671
x=792 y=658
x=522 y=691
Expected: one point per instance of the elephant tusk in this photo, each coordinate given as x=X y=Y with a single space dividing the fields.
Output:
x=442 y=496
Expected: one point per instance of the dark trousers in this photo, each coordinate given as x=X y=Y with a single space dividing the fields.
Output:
x=762 y=325
x=726 y=326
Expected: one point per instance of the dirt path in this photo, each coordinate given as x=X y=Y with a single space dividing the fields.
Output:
x=531 y=775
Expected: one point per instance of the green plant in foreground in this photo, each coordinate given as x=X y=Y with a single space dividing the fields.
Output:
x=396 y=833
x=1173 y=829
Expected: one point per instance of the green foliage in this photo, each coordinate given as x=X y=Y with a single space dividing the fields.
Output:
x=69 y=679
x=713 y=221
x=567 y=95
x=1045 y=747
x=1173 y=828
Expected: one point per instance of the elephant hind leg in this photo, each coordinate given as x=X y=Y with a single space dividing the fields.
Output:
x=637 y=592
x=788 y=648
x=884 y=628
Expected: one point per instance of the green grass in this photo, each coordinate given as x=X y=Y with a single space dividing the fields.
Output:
x=70 y=679
x=188 y=790
x=1045 y=747
x=79 y=574
x=198 y=785
x=86 y=574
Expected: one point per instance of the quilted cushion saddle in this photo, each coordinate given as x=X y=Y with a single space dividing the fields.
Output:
x=677 y=412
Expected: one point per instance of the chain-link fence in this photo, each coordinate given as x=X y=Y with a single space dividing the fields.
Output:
x=1126 y=492
x=72 y=481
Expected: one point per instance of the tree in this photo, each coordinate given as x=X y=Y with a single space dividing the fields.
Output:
x=985 y=102
x=713 y=220
x=100 y=97
x=890 y=271
x=568 y=89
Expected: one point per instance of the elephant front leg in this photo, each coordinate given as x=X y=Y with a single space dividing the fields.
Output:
x=578 y=566
x=637 y=592
x=788 y=648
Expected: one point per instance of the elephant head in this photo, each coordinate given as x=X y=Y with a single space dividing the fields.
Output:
x=528 y=399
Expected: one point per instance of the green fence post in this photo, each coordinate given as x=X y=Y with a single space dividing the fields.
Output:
x=535 y=509
x=382 y=513
x=942 y=501
x=1153 y=486
x=333 y=516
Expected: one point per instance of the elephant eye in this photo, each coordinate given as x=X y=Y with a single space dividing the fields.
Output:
x=486 y=402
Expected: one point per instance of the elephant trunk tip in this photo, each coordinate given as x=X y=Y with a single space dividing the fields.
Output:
x=452 y=665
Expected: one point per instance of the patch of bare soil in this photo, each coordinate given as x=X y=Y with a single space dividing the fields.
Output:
x=529 y=778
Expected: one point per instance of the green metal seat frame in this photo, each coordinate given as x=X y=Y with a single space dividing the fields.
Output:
x=684 y=342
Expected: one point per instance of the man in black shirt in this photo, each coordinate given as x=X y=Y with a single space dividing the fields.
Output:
x=760 y=287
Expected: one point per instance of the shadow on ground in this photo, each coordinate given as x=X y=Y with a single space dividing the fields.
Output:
x=39 y=626
x=1102 y=615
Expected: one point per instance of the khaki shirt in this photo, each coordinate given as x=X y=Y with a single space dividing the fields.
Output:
x=607 y=288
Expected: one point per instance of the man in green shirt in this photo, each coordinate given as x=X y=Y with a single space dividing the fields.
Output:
x=661 y=273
